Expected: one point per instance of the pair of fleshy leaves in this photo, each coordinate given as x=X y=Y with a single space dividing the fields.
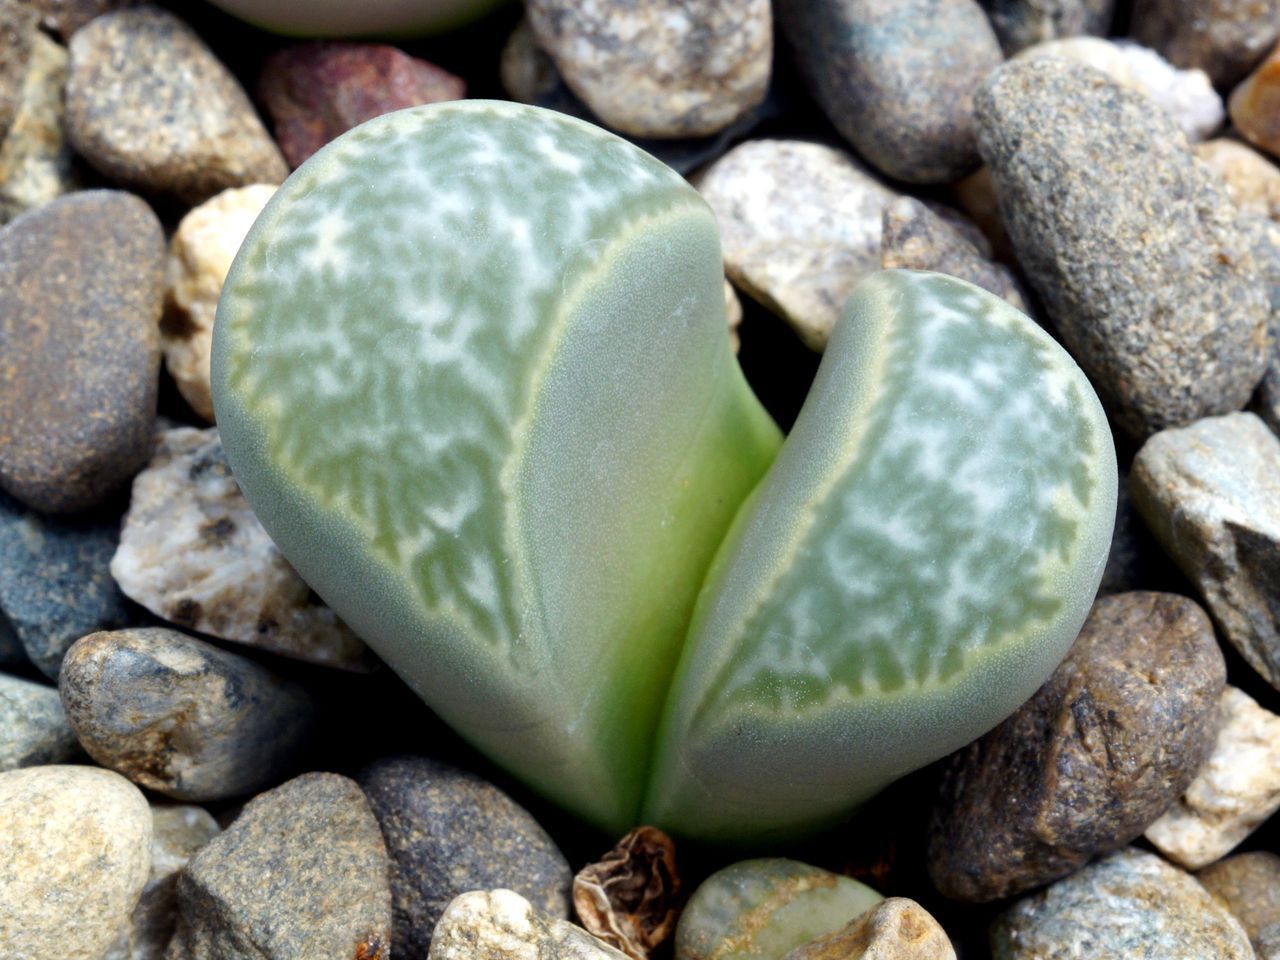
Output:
x=472 y=372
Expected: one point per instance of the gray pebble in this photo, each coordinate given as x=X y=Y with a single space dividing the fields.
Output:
x=448 y=832
x=151 y=107
x=302 y=872
x=180 y=716
x=1133 y=246
x=33 y=729
x=896 y=77
x=1224 y=38
x=1210 y=493
x=55 y=581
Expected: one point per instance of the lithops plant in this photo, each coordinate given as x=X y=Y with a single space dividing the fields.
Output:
x=343 y=18
x=471 y=370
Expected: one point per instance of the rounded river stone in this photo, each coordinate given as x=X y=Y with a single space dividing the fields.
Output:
x=1249 y=885
x=81 y=289
x=33 y=729
x=1224 y=38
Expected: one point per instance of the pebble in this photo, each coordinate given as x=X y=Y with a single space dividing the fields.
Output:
x=1252 y=180
x=182 y=717
x=897 y=78
x=200 y=254
x=660 y=68
x=36 y=162
x=800 y=226
x=915 y=238
x=1132 y=905
x=18 y=30
x=55 y=580
x=1024 y=23
x=1102 y=749
x=150 y=107
x=894 y=929
x=448 y=832
x=302 y=872
x=1235 y=791
x=1249 y=885
x=502 y=925
x=1187 y=95
x=177 y=834
x=313 y=92
x=81 y=287
x=193 y=552
x=1224 y=38
x=33 y=729
x=1210 y=493
x=764 y=908
x=76 y=844
x=1132 y=245
x=65 y=17
x=1255 y=104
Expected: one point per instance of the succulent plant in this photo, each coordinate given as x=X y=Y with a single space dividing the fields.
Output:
x=343 y=18
x=472 y=372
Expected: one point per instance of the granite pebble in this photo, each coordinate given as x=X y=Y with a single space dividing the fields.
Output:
x=1132 y=245
x=1233 y=793
x=1131 y=904
x=302 y=872
x=894 y=929
x=1102 y=749
x=1255 y=104
x=1024 y=23
x=1210 y=493
x=182 y=717
x=502 y=925
x=1249 y=885
x=800 y=225
x=33 y=728
x=193 y=552
x=448 y=832
x=1224 y=38
x=896 y=78
x=81 y=287
x=77 y=849
x=151 y=108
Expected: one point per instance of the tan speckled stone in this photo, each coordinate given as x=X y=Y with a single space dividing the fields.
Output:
x=200 y=255
x=1236 y=790
x=1249 y=884
x=894 y=929
x=502 y=925
x=1252 y=180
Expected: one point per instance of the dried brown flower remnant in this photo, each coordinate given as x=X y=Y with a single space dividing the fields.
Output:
x=629 y=899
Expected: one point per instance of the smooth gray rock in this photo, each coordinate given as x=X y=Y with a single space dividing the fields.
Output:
x=302 y=872
x=1224 y=38
x=448 y=832
x=33 y=729
x=1133 y=246
x=182 y=717
x=1024 y=23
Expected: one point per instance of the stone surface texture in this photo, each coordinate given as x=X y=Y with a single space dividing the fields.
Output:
x=800 y=225
x=1131 y=244
x=1236 y=790
x=913 y=237
x=77 y=849
x=1255 y=104
x=55 y=580
x=1131 y=904
x=897 y=77
x=81 y=282
x=660 y=68
x=449 y=832
x=200 y=254
x=182 y=717
x=33 y=729
x=177 y=833
x=502 y=925
x=1224 y=38
x=192 y=552
x=1249 y=885
x=65 y=17
x=1102 y=749
x=302 y=872
x=18 y=31
x=1024 y=23
x=151 y=107
x=315 y=91
x=1252 y=180
x=894 y=929
x=1187 y=95
x=1210 y=493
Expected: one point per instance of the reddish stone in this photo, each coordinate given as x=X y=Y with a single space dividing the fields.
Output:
x=315 y=91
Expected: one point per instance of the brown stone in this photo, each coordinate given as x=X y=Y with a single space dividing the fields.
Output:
x=894 y=929
x=1249 y=885
x=1101 y=750
x=1254 y=105
x=17 y=37
x=1224 y=38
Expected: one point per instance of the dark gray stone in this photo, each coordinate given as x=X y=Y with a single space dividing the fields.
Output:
x=302 y=872
x=896 y=77
x=33 y=729
x=55 y=581
x=1133 y=246
x=182 y=717
x=1102 y=749
x=1224 y=38
x=1024 y=23
x=449 y=832
x=81 y=290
